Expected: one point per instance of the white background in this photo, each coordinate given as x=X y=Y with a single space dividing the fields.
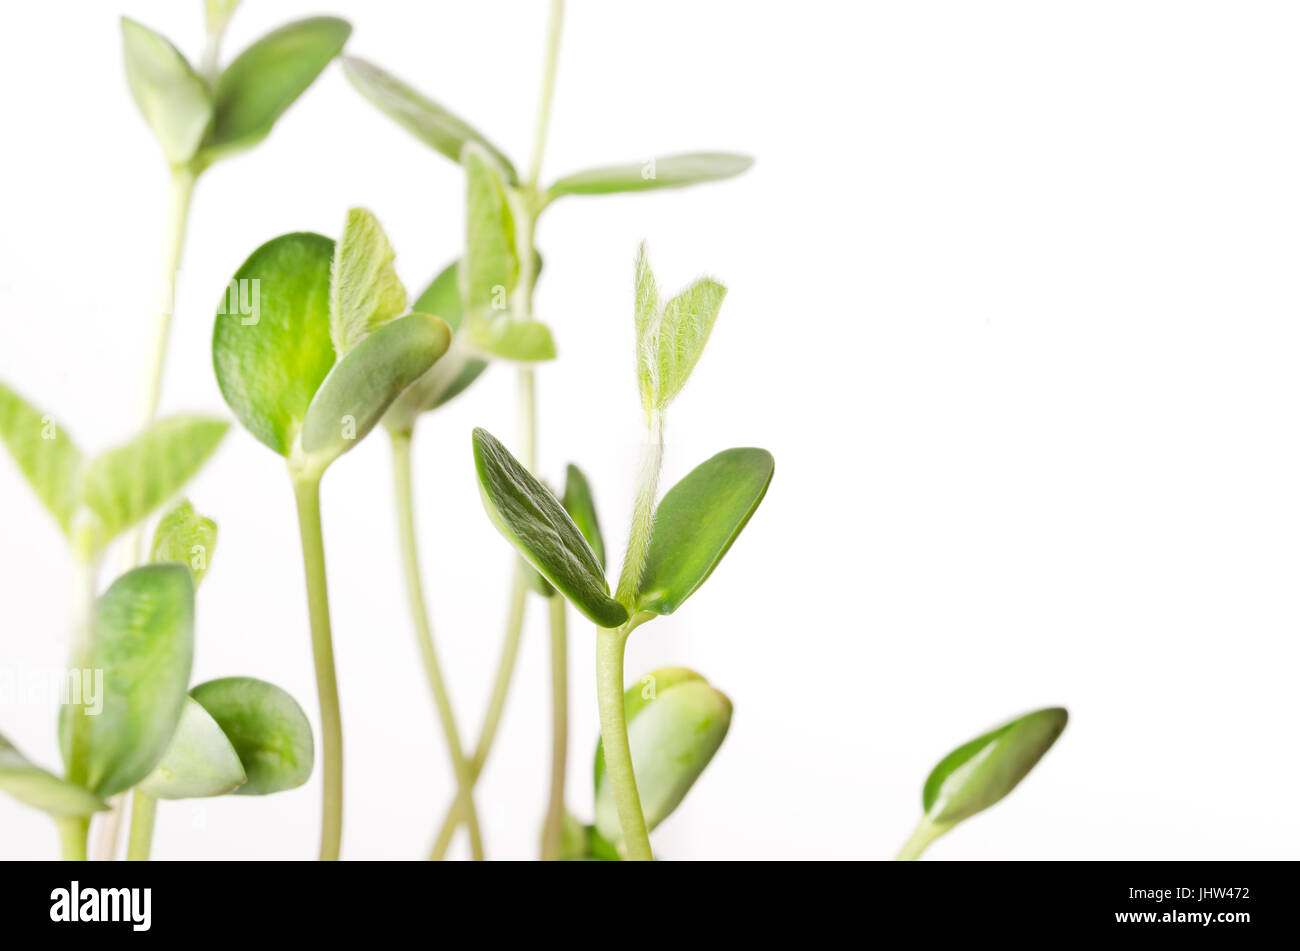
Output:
x=1013 y=302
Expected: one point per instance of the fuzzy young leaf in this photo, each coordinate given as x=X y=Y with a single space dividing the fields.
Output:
x=185 y=537
x=173 y=98
x=670 y=171
x=37 y=787
x=267 y=728
x=125 y=484
x=422 y=117
x=361 y=387
x=144 y=645
x=365 y=292
x=532 y=519
x=671 y=336
x=199 y=761
x=697 y=521
x=265 y=79
x=491 y=265
x=45 y=454
x=676 y=723
x=979 y=773
x=524 y=341
x=581 y=506
x=271 y=355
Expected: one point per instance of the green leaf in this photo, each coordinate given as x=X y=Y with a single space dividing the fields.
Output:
x=425 y=119
x=173 y=98
x=581 y=506
x=219 y=13
x=365 y=292
x=267 y=728
x=491 y=265
x=359 y=390
x=199 y=761
x=144 y=645
x=125 y=484
x=271 y=355
x=676 y=723
x=45 y=454
x=264 y=80
x=533 y=520
x=671 y=337
x=979 y=773
x=37 y=787
x=696 y=523
x=670 y=171
x=525 y=341
x=185 y=537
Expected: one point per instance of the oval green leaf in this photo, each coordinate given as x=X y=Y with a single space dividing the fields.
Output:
x=581 y=506
x=697 y=522
x=37 y=787
x=199 y=762
x=979 y=773
x=365 y=292
x=361 y=387
x=265 y=79
x=271 y=345
x=422 y=117
x=267 y=728
x=173 y=98
x=185 y=537
x=125 y=484
x=502 y=336
x=44 y=453
x=533 y=520
x=673 y=738
x=670 y=171
x=491 y=265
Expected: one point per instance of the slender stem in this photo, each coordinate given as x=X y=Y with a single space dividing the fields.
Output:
x=81 y=663
x=307 y=493
x=143 y=807
x=925 y=833
x=553 y=827
x=643 y=513
x=424 y=635
x=613 y=735
x=72 y=835
x=554 y=23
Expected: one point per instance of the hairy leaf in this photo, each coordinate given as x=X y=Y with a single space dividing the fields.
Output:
x=365 y=292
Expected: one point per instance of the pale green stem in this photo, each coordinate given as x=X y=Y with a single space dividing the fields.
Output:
x=81 y=662
x=613 y=735
x=73 y=831
x=554 y=23
x=553 y=827
x=307 y=493
x=143 y=808
x=643 y=514
x=424 y=635
x=925 y=833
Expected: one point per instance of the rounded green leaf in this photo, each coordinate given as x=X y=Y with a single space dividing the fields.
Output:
x=185 y=537
x=674 y=732
x=45 y=454
x=267 y=728
x=696 y=523
x=979 y=773
x=37 y=787
x=581 y=506
x=422 y=117
x=503 y=336
x=264 y=80
x=670 y=171
x=144 y=646
x=173 y=98
x=532 y=519
x=362 y=385
x=199 y=762
x=271 y=345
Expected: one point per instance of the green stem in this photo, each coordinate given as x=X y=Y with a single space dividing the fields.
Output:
x=924 y=834
x=73 y=831
x=143 y=808
x=554 y=23
x=553 y=827
x=643 y=514
x=613 y=735
x=424 y=635
x=81 y=663
x=307 y=493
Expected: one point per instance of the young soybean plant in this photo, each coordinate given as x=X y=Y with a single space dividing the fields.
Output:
x=978 y=774
x=496 y=283
x=310 y=376
x=672 y=548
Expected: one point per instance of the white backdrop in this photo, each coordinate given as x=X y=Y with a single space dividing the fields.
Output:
x=1013 y=303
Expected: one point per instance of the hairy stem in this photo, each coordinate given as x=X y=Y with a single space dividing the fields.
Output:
x=143 y=808
x=643 y=514
x=424 y=635
x=613 y=735
x=307 y=493
x=553 y=827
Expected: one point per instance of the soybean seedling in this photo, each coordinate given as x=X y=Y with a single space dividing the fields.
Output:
x=978 y=774
x=495 y=284
x=672 y=547
x=310 y=377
